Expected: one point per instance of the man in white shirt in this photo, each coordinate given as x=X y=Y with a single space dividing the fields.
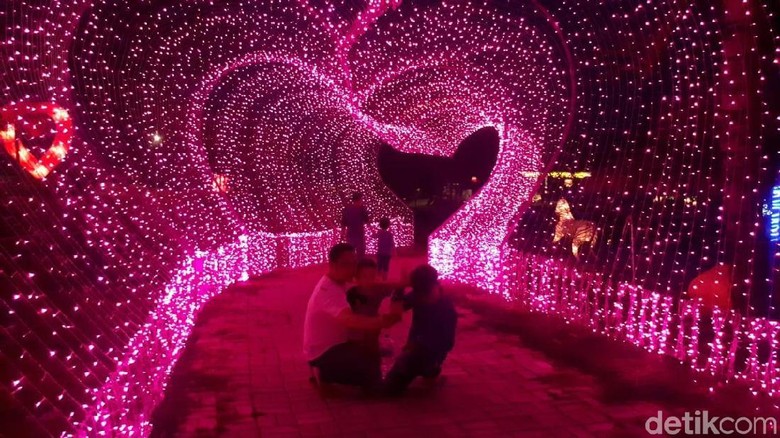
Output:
x=328 y=321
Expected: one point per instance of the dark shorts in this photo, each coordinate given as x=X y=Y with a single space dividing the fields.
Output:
x=383 y=263
x=350 y=363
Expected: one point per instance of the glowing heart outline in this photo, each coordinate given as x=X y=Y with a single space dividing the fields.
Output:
x=12 y=114
x=458 y=253
x=455 y=248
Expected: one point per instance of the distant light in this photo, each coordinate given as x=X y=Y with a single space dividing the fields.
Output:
x=558 y=174
x=774 y=218
x=156 y=138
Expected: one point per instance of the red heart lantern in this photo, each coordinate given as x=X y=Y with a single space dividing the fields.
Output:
x=220 y=183
x=13 y=115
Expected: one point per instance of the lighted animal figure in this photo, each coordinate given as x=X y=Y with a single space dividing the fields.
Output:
x=580 y=231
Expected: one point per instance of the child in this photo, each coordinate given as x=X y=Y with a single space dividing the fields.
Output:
x=432 y=334
x=384 y=248
x=364 y=299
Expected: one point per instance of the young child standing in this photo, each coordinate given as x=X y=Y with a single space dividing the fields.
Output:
x=384 y=248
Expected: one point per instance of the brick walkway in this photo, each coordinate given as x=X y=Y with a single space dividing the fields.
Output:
x=242 y=375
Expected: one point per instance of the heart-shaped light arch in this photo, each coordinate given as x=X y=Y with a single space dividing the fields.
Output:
x=174 y=147
x=373 y=100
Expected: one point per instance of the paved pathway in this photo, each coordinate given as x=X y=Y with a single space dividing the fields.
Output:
x=243 y=375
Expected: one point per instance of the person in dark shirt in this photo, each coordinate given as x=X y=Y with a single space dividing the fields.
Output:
x=432 y=334
x=354 y=218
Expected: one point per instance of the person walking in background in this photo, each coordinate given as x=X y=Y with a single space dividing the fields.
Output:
x=354 y=218
x=384 y=248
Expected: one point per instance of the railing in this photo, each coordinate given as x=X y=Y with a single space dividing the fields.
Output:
x=722 y=343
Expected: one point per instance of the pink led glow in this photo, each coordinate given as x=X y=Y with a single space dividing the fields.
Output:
x=212 y=141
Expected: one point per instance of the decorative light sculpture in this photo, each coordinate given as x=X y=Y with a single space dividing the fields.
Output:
x=14 y=115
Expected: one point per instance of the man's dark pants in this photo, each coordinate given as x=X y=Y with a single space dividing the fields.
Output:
x=350 y=363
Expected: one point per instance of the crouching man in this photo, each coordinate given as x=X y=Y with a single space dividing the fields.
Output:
x=329 y=321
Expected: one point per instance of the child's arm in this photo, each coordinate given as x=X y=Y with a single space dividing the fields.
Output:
x=401 y=301
x=397 y=307
x=379 y=291
x=355 y=298
x=350 y=320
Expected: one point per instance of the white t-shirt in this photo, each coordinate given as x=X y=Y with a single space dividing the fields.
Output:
x=321 y=330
